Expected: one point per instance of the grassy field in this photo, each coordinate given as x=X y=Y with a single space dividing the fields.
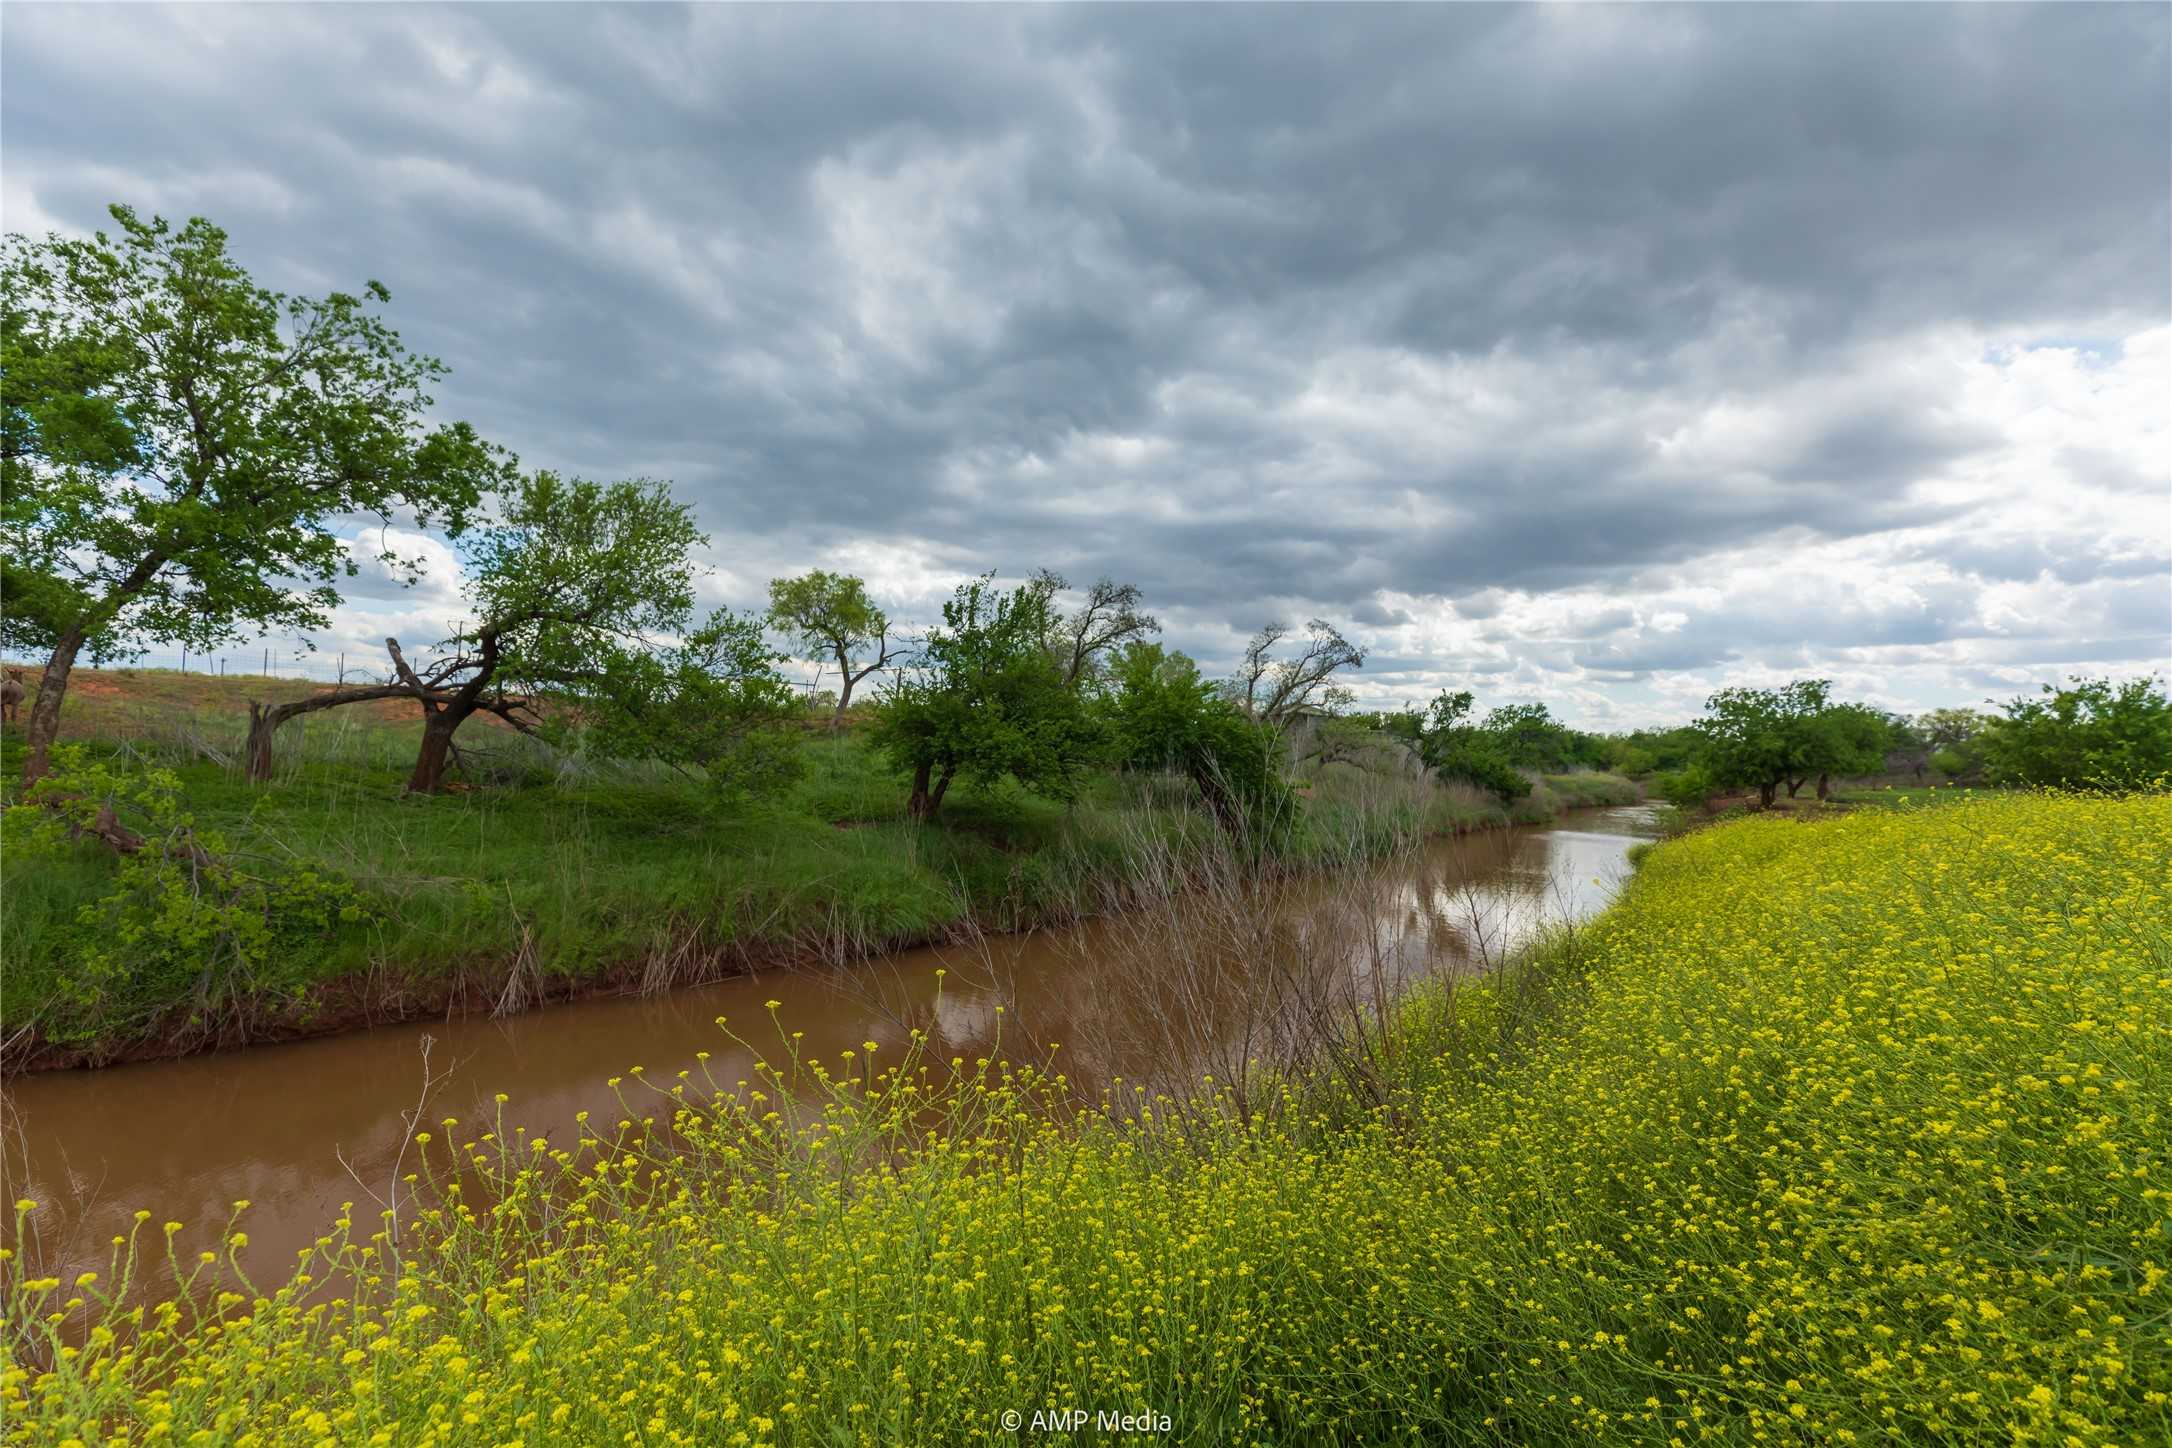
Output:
x=544 y=875
x=1846 y=1131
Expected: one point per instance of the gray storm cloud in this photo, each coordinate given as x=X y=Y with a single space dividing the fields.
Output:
x=1416 y=317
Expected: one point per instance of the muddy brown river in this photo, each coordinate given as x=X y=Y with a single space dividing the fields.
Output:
x=298 y=1129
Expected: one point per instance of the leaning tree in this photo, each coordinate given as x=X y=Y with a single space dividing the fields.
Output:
x=177 y=444
x=581 y=596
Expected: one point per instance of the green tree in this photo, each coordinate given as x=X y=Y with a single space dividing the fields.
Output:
x=1847 y=739
x=1455 y=748
x=987 y=701
x=1751 y=737
x=1947 y=740
x=1532 y=738
x=831 y=619
x=2092 y=733
x=176 y=443
x=1164 y=715
x=714 y=700
x=570 y=584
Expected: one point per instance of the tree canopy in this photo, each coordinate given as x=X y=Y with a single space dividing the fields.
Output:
x=1454 y=747
x=985 y=700
x=2091 y=732
x=1765 y=738
x=177 y=443
x=1164 y=715
x=831 y=619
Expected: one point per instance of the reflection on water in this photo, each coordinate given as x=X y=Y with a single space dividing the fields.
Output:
x=298 y=1129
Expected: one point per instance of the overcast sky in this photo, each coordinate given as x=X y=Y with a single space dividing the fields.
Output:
x=1595 y=356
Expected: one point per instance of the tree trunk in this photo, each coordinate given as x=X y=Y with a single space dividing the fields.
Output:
x=437 y=737
x=925 y=801
x=45 y=710
x=265 y=720
x=844 y=698
x=1825 y=786
x=1792 y=786
x=256 y=753
x=1765 y=793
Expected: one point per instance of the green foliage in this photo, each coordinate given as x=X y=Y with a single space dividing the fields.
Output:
x=1765 y=738
x=832 y=620
x=715 y=701
x=988 y=702
x=2092 y=733
x=1952 y=763
x=1951 y=728
x=1455 y=749
x=575 y=577
x=1687 y=788
x=1161 y=714
x=180 y=442
x=180 y=923
x=1529 y=737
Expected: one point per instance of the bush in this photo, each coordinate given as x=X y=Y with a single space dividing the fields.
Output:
x=1687 y=788
x=181 y=922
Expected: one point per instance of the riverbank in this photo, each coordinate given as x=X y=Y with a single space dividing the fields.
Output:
x=1827 y=1131
x=544 y=880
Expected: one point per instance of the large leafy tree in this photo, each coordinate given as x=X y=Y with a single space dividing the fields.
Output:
x=1765 y=738
x=570 y=584
x=1750 y=734
x=987 y=701
x=2092 y=733
x=582 y=596
x=177 y=444
x=831 y=620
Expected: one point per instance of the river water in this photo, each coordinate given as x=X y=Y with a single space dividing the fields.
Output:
x=298 y=1129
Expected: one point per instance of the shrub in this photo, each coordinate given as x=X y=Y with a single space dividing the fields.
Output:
x=1687 y=788
x=181 y=923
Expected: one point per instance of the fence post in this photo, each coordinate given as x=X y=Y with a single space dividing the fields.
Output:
x=267 y=663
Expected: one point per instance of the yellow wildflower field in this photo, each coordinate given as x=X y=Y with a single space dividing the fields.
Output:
x=1845 y=1131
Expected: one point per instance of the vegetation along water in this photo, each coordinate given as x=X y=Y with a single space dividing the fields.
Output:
x=1826 y=1132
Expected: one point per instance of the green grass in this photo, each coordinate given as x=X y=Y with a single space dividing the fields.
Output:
x=594 y=872
x=1842 y=1132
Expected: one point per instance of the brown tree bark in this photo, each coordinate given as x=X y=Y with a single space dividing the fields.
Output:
x=44 y=724
x=1765 y=794
x=264 y=720
x=1825 y=786
x=437 y=737
x=926 y=800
